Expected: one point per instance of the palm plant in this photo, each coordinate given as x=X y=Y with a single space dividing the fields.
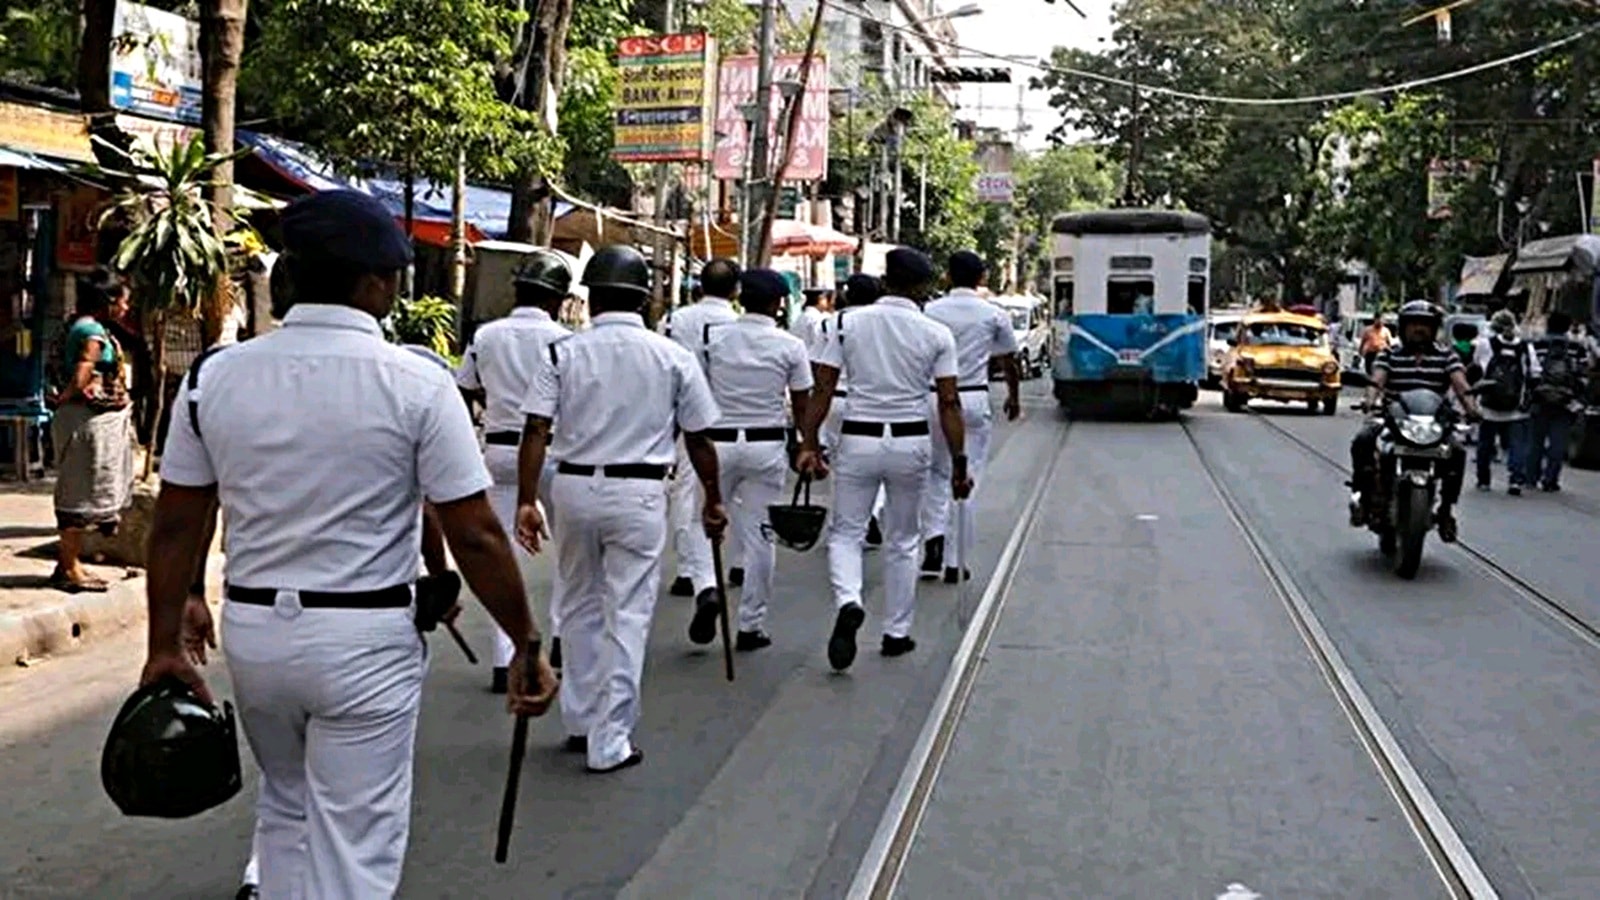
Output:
x=172 y=248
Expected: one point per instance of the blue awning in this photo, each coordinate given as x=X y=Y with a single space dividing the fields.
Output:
x=487 y=208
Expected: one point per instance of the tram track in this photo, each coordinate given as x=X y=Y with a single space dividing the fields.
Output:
x=1538 y=600
x=1455 y=864
x=879 y=873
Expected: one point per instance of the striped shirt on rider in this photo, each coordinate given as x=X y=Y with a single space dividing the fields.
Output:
x=1428 y=369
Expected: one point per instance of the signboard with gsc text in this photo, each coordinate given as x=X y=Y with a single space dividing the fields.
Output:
x=664 y=98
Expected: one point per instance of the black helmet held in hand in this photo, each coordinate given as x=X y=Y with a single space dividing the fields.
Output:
x=170 y=755
x=545 y=269
x=797 y=525
x=620 y=267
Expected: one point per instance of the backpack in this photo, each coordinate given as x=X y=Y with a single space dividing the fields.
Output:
x=1560 y=382
x=1505 y=371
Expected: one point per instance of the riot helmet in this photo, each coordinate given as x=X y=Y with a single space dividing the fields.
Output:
x=618 y=267
x=170 y=754
x=544 y=269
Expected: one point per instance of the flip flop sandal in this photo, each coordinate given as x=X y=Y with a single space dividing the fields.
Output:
x=89 y=585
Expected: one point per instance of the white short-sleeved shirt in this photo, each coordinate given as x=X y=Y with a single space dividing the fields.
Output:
x=501 y=363
x=323 y=441
x=627 y=386
x=891 y=352
x=687 y=326
x=752 y=365
x=808 y=326
x=982 y=330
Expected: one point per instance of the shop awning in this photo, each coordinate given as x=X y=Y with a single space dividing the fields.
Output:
x=1579 y=253
x=18 y=159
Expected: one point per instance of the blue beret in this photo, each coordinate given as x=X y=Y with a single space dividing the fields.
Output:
x=762 y=285
x=346 y=226
x=904 y=267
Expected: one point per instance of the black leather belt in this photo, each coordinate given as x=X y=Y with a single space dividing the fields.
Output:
x=875 y=429
x=511 y=438
x=397 y=597
x=841 y=393
x=751 y=435
x=644 y=471
x=964 y=389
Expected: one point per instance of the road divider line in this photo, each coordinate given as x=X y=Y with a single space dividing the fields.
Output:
x=880 y=869
x=1463 y=877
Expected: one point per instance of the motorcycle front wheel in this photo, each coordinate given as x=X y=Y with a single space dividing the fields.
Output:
x=1415 y=521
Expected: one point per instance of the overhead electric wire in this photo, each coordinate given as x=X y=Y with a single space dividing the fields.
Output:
x=1412 y=84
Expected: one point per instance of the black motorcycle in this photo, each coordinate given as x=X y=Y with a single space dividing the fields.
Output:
x=1420 y=432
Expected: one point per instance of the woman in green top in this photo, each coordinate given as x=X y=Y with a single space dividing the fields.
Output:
x=93 y=430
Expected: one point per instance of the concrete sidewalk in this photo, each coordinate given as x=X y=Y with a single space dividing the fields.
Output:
x=35 y=618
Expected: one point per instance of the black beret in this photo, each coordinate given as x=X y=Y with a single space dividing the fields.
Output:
x=762 y=285
x=346 y=226
x=905 y=267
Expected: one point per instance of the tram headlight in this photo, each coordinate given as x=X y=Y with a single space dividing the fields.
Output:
x=1421 y=430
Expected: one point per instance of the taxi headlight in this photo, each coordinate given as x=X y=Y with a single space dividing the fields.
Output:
x=1421 y=430
x=1330 y=368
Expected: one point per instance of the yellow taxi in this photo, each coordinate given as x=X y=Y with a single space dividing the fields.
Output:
x=1281 y=356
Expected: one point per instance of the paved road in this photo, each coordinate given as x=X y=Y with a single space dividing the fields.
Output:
x=1146 y=723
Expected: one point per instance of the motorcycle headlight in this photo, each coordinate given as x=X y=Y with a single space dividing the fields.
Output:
x=1421 y=429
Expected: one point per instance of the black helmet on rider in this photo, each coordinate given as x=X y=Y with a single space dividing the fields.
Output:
x=1419 y=323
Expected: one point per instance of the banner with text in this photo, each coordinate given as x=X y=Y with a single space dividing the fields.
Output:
x=664 y=98
x=155 y=63
x=736 y=87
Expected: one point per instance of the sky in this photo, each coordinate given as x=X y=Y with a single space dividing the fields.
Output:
x=1023 y=28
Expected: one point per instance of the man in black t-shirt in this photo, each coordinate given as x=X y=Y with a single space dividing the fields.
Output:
x=1418 y=362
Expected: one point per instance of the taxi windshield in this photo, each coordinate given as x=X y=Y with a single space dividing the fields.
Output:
x=1286 y=334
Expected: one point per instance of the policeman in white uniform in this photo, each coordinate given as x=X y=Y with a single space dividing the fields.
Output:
x=321 y=441
x=719 y=285
x=860 y=290
x=982 y=332
x=500 y=363
x=891 y=353
x=619 y=391
x=808 y=325
x=752 y=365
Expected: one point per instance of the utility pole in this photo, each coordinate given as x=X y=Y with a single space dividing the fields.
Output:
x=760 y=145
x=1130 y=195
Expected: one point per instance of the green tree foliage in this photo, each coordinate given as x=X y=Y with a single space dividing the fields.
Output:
x=39 y=41
x=404 y=82
x=1062 y=179
x=588 y=101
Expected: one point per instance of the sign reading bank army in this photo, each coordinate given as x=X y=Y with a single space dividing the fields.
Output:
x=664 y=98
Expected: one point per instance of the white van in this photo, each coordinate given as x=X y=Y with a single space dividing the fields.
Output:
x=1030 y=321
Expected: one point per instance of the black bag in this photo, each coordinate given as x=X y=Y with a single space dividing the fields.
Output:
x=1559 y=383
x=1504 y=376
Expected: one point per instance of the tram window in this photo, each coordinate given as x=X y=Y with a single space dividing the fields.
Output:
x=1197 y=296
x=1128 y=298
x=1064 y=296
x=1133 y=263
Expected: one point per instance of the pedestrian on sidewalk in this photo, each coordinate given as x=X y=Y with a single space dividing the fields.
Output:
x=322 y=440
x=500 y=365
x=891 y=352
x=92 y=430
x=983 y=333
x=753 y=366
x=1509 y=366
x=1557 y=400
x=620 y=392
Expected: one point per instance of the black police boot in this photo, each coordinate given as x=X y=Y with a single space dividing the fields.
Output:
x=842 y=644
x=1446 y=520
x=950 y=575
x=681 y=587
x=932 y=556
x=898 y=646
x=752 y=640
x=736 y=576
x=248 y=892
x=874 y=533
x=707 y=609
x=498 y=682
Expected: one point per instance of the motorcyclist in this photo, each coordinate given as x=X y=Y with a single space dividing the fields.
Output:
x=1417 y=362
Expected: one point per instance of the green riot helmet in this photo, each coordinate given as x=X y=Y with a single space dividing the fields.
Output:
x=619 y=267
x=545 y=269
x=170 y=755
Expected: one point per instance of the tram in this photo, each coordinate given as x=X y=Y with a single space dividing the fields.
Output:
x=1130 y=289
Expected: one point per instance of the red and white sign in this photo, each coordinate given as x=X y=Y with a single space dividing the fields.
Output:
x=736 y=87
x=662 y=44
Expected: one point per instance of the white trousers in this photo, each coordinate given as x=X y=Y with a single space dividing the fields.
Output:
x=613 y=533
x=938 y=508
x=863 y=466
x=829 y=438
x=328 y=700
x=752 y=479
x=502 y=464
x=689 y=541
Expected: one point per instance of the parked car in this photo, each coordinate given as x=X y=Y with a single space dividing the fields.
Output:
x=1284 y=357
x=1030 y=322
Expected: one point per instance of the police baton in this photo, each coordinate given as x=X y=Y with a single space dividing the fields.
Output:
x=727 y=634
x=519 y=748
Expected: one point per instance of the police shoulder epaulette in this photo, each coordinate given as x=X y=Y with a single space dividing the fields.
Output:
x=551 y=348
x=193 y=385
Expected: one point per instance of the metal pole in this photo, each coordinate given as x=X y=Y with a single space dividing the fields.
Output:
x=760 y=146
x=899 y=187
x=664 y=297
x=922 y=197
x=1128 y=193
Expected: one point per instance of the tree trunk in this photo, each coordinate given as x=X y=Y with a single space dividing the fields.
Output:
x=94 y=55
x=221 y=50
x=533 y=82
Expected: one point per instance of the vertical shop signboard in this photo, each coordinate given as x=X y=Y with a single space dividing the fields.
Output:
x=664 y=98
x=155 y=63
x=75 y=229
